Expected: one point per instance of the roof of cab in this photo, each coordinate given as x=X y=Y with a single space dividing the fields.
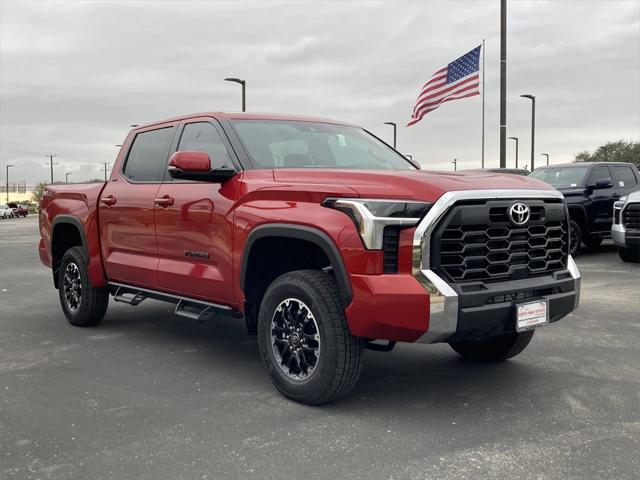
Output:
x=245 y=116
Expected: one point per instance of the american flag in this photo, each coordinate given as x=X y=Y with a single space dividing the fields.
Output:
x=459 y=79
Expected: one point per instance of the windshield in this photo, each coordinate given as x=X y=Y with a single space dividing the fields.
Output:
x=299 y=144
x=561 y=176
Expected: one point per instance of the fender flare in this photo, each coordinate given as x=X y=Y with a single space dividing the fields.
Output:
x=583 y=213
x=300 y=232
x=72 y=220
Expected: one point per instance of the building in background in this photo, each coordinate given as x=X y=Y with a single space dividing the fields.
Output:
x=19 y=191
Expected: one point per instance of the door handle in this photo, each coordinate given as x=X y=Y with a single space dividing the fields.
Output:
x=164 y=201
x=616 y=195
x=108 y=200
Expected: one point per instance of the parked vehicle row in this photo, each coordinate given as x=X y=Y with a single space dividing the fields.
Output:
x=590 y=190
x=13 y=210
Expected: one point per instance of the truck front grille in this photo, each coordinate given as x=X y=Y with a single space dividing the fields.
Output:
x=632 y=217
x=476 y=241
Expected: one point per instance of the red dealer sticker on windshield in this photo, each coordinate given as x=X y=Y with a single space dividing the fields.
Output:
x=531 y=315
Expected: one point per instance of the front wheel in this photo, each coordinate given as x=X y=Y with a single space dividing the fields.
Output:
x=304 y=339
x=629 y=255
x=82 y=304
x=575 y=238
x=494 y=349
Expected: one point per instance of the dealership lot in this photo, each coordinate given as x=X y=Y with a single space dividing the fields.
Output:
x=149 y=395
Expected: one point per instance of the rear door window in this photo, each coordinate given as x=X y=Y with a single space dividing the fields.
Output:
x=625 y=177
x=147 y=157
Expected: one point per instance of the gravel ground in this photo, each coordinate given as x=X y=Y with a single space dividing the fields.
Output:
x=149 y=396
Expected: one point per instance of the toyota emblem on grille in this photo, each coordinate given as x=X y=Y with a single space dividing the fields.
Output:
x=519 y=213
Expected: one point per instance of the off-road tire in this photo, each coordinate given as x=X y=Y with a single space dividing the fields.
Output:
x=592 y=241
x=339 y=362
x=630 y=255
x=494 y=349
x=93 y=301
x=575 y=238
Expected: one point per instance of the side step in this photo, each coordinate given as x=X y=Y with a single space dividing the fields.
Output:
x=185 y=307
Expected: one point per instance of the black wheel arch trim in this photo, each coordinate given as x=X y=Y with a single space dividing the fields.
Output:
x=69 y=219
x=582 y=211
x=300 y=232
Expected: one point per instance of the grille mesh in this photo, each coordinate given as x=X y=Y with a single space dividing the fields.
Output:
x=483 y=245
x=632 y=217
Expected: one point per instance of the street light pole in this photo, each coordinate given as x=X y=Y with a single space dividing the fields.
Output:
x=533 y=127
x=455 y=164
x=244 y=90
x=545 y=155
x=66 y=177
x=516 y=139
x=8 y=181
x=395 y=130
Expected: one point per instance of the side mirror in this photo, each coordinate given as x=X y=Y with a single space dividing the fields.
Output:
x=603 y=183
x=196 y=166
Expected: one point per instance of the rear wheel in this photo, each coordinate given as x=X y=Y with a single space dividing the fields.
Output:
x=304 y=339
x=82 y=304
x=628 y=254
x=494 y=349
x=575 y=238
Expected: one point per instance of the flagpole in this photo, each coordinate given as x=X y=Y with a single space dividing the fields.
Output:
x=483 y=87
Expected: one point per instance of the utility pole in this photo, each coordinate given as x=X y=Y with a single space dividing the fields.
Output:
x=516 y=139
x=8 y=181
x=455 y=164
x=105 y=170
x=503 y=83
x=395 y=130
x=545 y=155
x=51 y=164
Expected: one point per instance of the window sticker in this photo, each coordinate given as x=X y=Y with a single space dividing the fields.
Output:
x=341 y=140
x=621 y=183
x=574 y=184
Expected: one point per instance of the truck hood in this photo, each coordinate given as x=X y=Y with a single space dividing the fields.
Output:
x=407 y=184
x=570 y=192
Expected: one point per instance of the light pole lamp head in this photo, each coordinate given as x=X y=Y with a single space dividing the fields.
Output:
x=234 y=80
x=390 y=123
x=10 y=165
x=513 y=138
x=530 y=97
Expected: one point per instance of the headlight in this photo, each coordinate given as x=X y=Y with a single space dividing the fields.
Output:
x=623 y=199
x=372 y=216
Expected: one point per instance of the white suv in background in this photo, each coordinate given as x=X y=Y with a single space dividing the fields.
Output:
x=6 y=211
x=625 y=230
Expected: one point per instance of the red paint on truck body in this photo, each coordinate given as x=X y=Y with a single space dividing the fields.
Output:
x=189 y=239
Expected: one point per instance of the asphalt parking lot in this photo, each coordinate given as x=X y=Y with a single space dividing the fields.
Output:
x=149 y=396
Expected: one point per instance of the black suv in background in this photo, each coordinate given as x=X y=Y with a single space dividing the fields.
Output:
x=590 y=190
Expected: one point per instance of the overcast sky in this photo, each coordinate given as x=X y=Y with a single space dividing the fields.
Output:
x=75 y=75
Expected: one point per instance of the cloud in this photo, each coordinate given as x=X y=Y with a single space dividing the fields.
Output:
x=75 y=75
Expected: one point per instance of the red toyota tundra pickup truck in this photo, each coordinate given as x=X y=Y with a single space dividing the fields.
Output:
x=319 y=236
